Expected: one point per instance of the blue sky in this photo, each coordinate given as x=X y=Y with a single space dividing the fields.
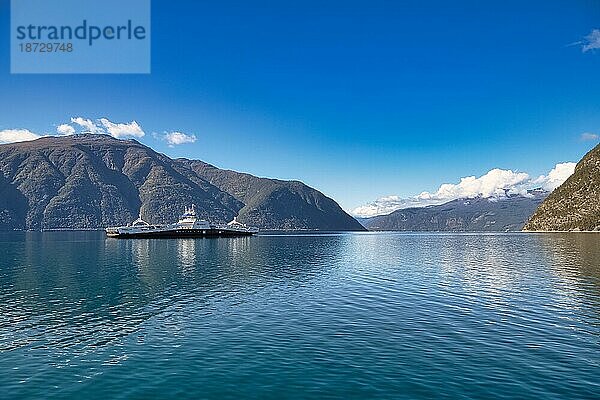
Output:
x=358 y=99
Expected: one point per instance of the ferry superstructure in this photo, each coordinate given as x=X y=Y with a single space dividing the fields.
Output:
x=188 y=226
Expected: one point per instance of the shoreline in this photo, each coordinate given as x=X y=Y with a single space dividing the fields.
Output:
x=572 y=231
x=295 y=231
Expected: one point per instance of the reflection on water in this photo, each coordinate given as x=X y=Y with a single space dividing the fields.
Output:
x=186 y=248
x=574 y=260
x=332 y=315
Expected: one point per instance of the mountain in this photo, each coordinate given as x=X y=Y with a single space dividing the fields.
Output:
x=93 y=181
x=477 y=214
x=574 y=205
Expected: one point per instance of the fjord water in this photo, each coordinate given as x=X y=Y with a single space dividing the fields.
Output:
x=345 y=315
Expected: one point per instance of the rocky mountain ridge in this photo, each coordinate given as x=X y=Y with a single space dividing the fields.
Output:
x=93 y=181
x=574 y=205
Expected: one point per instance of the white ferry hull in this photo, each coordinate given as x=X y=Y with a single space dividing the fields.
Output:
x=181 y=233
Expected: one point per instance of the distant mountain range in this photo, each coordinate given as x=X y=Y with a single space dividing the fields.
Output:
x=575 y=205
x=93 y=181
x=499 y=214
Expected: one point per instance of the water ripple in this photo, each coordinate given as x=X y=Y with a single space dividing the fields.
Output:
x=301 y=316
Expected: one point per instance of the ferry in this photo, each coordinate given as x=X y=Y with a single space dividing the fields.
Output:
x=188 y=226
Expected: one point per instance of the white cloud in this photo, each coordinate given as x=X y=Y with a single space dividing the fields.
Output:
x=589 y=137
x=87 y=124
x=100 y=126
x=495 y=184
x=65 y=129
x=491 y=184
x=17 y=135
x=556 y=176
x=120 y=130
x=591 y=41
x=176 y=138
x=105 y=126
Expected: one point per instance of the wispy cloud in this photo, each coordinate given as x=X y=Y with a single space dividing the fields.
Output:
x=589 y=137
x=17 y=135
x=591 y=41
x=494 y=184
x=177 y=138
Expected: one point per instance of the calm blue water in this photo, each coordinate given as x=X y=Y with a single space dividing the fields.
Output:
x=306 y=316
